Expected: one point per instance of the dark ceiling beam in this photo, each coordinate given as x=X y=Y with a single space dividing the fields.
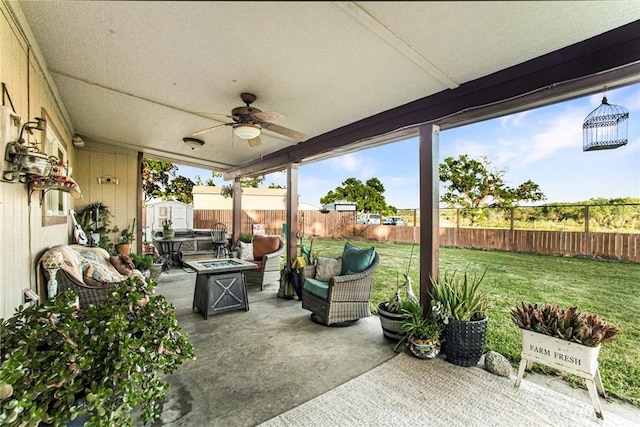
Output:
x=565 y=71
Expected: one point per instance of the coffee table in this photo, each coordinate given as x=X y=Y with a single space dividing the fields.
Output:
x=220 y=285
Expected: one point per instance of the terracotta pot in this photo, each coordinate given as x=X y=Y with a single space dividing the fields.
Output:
x=124 y=248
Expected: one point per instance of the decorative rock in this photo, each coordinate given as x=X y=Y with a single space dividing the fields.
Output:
x=497 y=364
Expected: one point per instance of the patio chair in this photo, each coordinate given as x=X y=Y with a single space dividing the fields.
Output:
x=266 y=253
x=337 y=292
x=219 y=239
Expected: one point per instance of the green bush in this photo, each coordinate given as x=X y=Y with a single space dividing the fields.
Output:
x=142 y=261
x=114 y=355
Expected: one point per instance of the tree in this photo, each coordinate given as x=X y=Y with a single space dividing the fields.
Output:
x=156 y=175
x=474 y=184
x=160 y=180
x=369 y=196
x=614 y=213
x=209 y=181
x=227 y=190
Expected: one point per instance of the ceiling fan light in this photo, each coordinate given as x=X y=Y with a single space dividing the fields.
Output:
x=193 y=143
x=247 y=131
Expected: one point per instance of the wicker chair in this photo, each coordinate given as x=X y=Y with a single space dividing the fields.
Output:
x=87 y=294
x=347 y=299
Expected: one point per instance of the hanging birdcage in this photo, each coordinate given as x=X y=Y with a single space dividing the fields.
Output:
x=605 y=127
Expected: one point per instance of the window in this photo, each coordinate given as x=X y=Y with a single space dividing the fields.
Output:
x=56 y=202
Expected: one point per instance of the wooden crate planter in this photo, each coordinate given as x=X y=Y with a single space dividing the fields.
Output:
x=570 y=357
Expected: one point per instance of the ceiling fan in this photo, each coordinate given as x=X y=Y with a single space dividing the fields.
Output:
x=248 y=123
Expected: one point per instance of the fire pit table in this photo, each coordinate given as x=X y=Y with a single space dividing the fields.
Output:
x=220 y=285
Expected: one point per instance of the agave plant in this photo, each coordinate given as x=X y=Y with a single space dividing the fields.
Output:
x=459 y=297
x=569 y=324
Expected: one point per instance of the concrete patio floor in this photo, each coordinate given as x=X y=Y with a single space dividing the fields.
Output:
x=253 y=365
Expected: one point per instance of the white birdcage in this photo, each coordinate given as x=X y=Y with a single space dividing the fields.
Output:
x=605 y=127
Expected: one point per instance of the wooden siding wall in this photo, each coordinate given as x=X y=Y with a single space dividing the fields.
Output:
x=94 y=162
x=341 y=225
x=23 y=235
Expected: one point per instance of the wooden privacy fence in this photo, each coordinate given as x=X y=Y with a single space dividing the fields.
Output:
x=342 y=225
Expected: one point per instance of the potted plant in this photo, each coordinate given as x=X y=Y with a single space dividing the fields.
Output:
x=563 y=339
x=392 y=313
x=59 y=363
x=157 y=266
x=127 y=236
x=464 y=306
x=142 y=262
x=95 y=219
x=168 y=233
x=421 y=331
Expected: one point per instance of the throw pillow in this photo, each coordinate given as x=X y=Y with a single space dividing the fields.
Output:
x=246 y=251
x=356 y=260
x=326 y=268
x=263 y=245
x=99 y=266
x=123 y=264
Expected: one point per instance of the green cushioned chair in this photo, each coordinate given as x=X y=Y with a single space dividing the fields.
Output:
x=344 y=298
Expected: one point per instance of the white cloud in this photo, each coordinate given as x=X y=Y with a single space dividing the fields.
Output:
x=358 y=165
x=514 y=120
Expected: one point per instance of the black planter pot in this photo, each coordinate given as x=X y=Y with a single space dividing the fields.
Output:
x=465 y=341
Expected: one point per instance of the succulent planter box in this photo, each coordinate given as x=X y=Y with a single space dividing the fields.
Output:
x=567 y=356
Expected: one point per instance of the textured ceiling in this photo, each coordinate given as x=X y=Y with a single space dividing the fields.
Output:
x=143 y=75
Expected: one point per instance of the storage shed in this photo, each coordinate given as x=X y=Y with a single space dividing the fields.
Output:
x=181 y=215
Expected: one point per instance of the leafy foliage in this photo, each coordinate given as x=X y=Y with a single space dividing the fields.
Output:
x=474 y=184
x=418 y=324
x=605 y=215
x=570 y=324
x=460 y=298
x=156 y=175
x=208 y=181
x=246 y=182
x=369 y=196
x=142 y=261
x=96 y=217
x=161 y=180
x=113 y=354
x=128 y=234
x=180 y=188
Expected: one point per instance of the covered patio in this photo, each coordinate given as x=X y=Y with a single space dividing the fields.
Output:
x=118 y=82
x=252 y=367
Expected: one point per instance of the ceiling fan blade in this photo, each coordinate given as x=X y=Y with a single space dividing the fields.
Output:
x=266 y=116
x=200 y=132
x=207 y=113
x=254 y=142
x=293 y=134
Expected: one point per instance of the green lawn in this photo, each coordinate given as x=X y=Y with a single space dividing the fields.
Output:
x=610 y=289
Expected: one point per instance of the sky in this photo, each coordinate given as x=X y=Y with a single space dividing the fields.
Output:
x=543 y=145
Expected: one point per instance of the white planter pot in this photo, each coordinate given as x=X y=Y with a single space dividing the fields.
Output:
x=571 y=357
x=560 y=354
